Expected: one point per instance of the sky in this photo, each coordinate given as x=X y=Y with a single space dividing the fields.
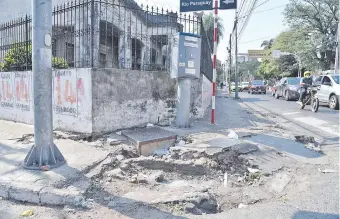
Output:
x=263 y=25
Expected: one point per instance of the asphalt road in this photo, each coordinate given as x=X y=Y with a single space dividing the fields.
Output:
x=325 y=122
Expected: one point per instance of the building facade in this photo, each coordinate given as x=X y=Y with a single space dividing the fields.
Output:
x=100 y=34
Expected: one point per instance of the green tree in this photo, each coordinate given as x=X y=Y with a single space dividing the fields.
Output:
x=268 y=69
x=267 y=44
x=247 y=69
x=219 y=72
x=208 y=24
x=297 y=42
x=317 y=19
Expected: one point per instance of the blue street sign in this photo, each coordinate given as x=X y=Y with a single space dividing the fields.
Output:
x=228 y=4
x=195 y=5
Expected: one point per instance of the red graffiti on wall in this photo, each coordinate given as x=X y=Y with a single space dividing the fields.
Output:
x=69 y=94
x=80 y=89
x=21 y=91
x=7 y=93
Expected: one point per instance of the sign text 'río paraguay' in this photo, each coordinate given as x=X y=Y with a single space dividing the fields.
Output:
x=195 y=5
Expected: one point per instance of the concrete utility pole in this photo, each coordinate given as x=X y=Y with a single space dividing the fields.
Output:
x=230 y=64
x=183 y=103
x=236 y=59
x=44 y=154
x=337 y=56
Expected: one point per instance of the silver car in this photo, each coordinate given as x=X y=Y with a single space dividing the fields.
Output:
x=329 y=89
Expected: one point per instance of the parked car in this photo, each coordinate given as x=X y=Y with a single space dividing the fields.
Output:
x=244 y=86
x=288 y=88
x=256 y=86
x=329 y=90
x=232 y=87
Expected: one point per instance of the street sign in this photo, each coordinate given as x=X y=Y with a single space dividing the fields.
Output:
x=228 y=4
x=258 y=54
x=276 y=54
x=195 y=5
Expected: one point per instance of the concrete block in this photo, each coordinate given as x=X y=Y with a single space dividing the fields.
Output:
x=4 y=187
x=151 y=140
x=156 y=147
x=51 y=196
x=25 y=193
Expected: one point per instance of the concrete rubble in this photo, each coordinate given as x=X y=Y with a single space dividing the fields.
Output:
x=201 y=173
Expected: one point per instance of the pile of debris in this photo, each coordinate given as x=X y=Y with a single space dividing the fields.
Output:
x=182 y=169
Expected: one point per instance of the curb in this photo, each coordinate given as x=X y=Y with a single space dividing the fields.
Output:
x=41 y=194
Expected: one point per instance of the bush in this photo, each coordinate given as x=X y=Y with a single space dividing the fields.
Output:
x=15 y=60
x=59 y=63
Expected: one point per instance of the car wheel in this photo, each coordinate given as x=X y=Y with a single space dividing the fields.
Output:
x=287 y=98
x=277 y=95
x=333 y=102
x=264 y=92
x=252 y=92
x=273 y=93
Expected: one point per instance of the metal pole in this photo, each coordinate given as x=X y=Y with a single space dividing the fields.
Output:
x=183 y=103
x=230 y=64
x=44 y=154
x=236 y=70
x=337 y=55
x=213 y=99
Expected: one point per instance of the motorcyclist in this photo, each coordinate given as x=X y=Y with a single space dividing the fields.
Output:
x=305 y=82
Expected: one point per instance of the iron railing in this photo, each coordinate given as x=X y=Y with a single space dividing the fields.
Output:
x=103 y=34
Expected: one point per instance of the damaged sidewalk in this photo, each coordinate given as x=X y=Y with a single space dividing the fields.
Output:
x=240 y=161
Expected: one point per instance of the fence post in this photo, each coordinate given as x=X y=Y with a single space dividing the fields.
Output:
x=92 y=33
x=26 y=44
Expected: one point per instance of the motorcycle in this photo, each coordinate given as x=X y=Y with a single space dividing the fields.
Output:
x=310 y=98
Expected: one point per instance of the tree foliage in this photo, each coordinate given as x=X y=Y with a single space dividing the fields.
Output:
x=317 y=20
x=219 y=71
x=248 y=69
x=267 y=44
x=208 y=24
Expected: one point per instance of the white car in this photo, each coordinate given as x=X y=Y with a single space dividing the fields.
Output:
x=329 y=89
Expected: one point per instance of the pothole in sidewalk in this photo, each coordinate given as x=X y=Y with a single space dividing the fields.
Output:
x=184 y=180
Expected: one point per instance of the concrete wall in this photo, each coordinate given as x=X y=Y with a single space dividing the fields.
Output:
x=201 y=92
x=206 y=93
x=123 y=99
x=102 y=100
x=72 y=98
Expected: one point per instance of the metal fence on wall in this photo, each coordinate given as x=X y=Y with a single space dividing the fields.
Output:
x=103 y=34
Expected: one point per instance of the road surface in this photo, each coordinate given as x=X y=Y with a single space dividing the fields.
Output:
x=324 y=123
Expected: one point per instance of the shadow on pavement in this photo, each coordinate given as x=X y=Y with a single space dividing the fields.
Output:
x=314 y=215
x=253 y=99
x=287 y=145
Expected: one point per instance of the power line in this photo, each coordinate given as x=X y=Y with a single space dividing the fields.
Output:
x=269 y=9
x=263 y=38
x=247 y=18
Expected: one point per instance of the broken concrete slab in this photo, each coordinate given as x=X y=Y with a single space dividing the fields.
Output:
x=25 y=185
x=25 y=192
x=245 y=148
x=150 y=140
x=279 y=182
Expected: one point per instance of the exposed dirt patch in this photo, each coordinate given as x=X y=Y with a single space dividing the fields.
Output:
x=182 y=181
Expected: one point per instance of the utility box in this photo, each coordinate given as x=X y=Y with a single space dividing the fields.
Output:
x=186 y=56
